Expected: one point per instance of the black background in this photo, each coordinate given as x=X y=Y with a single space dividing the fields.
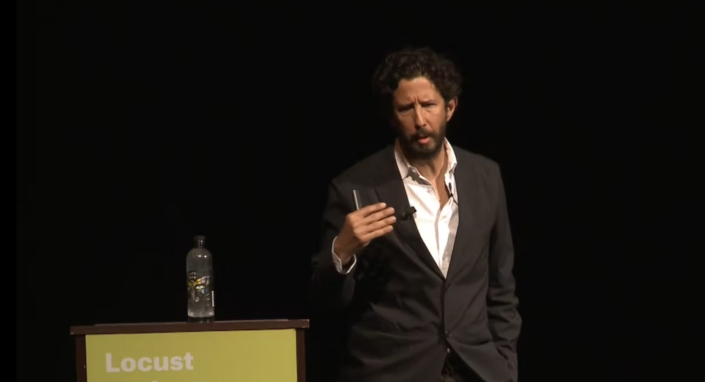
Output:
x=141 y=125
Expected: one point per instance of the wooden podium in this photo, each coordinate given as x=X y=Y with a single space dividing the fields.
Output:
x=221 y=350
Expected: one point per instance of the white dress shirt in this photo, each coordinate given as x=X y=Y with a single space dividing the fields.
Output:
x=437 y=224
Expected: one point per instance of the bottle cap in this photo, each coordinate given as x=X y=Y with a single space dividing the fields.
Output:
x=199 y=240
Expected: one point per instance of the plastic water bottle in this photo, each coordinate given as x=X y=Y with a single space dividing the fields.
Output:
x=199 y=271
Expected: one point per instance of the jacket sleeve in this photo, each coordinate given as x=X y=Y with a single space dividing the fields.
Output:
x=331 y=289
x=504 y=320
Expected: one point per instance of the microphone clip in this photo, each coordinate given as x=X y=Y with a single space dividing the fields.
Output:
x=408 y=213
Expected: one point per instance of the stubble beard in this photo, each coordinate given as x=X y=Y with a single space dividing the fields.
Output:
x=415 y=151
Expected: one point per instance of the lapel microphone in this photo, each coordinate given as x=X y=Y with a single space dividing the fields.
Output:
x=452 y=195
x=408 y=213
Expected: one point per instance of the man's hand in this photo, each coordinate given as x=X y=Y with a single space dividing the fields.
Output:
x=361 y=227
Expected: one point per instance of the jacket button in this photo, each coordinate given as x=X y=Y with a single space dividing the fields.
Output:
x=447 y=334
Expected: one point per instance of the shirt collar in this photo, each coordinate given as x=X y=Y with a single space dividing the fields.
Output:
x=405 y=168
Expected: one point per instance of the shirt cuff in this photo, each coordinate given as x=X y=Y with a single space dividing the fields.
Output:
x=339 y=264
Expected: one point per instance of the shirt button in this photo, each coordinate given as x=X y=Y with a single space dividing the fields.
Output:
x=447 y=334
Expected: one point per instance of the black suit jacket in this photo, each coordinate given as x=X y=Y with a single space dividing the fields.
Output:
x=401 y=315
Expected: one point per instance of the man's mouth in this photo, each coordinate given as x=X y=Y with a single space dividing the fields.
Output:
x=424 y=140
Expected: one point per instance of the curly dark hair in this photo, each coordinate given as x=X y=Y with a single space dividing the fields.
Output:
x=410 y=63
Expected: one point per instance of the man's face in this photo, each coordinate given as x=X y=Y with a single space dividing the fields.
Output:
x=420 y=116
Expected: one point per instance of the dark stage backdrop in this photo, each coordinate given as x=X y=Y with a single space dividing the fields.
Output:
x=142 y=126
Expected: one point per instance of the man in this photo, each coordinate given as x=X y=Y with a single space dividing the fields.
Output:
x=422 y=271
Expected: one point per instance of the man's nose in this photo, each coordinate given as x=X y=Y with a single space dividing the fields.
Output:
x=419 y=120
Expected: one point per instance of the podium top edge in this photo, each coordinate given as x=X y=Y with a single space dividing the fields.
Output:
x=180 y=327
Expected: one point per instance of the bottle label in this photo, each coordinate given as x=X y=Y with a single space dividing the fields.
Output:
x=199 y=287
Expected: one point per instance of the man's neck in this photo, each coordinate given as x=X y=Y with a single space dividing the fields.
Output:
x=430 y=168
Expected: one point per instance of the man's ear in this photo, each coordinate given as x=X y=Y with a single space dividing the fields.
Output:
x=450 y=108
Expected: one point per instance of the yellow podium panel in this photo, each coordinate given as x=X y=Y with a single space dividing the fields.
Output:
x=243 y=356
x=183 y=353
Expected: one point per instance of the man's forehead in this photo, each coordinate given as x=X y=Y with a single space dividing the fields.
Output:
x=413 y=96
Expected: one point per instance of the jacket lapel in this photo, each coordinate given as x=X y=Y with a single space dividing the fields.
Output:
x=390 y=190
x=465 y=181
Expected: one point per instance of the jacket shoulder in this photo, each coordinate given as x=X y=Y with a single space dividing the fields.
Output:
x=477 y=161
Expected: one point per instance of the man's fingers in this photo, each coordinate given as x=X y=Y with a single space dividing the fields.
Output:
x=378 y=233
x=379 y=215
x=372 y=208
x=367 y=227
x=376 y=226
x=382 y=223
